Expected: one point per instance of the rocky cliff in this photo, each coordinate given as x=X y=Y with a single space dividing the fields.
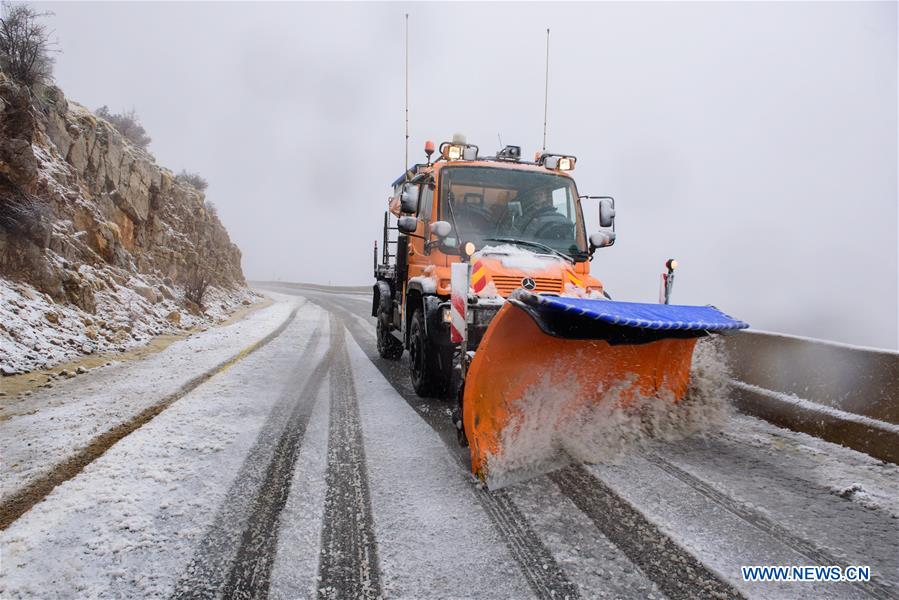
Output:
x=90 y=223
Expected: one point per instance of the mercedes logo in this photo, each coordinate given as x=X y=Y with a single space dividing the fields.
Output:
x=528 y=283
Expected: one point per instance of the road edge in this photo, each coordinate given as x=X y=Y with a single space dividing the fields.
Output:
x=21 y=501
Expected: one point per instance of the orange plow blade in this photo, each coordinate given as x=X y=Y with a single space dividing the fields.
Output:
x=541 y=375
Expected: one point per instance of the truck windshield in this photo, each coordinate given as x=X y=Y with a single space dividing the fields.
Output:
x=487 y=202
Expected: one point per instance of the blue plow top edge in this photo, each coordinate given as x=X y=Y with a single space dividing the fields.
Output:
x=662 y=317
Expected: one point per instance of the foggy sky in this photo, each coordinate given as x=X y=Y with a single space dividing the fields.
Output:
x=756 y=143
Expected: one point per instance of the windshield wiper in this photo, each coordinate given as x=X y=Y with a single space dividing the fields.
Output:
x=531 y=244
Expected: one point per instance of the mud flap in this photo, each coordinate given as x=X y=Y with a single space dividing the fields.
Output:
x=545 y=362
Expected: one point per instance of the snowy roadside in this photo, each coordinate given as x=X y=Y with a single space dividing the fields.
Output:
x=68 y=416
x=129 y=524
x=758 y=494
x=38 y=333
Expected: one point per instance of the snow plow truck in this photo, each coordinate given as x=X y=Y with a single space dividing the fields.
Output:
x=483 y=275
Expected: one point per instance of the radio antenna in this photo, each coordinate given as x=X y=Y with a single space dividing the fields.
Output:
x=406 y=162
x=546 y=91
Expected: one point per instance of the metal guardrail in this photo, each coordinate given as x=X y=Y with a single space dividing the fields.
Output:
x=843 y=394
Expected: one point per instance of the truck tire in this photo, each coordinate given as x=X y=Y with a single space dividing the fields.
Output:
x=388 y=346
x=428 y=379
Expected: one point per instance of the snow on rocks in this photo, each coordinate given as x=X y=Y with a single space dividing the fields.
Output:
x=115 y=229
x=64 y=418
x=37 y=333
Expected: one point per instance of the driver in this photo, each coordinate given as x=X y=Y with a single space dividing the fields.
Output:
x=539 y=214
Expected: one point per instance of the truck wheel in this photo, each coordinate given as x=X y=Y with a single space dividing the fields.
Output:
x=428 y=379
x=388 y=346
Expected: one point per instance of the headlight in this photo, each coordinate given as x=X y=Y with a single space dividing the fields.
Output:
x=556 y=162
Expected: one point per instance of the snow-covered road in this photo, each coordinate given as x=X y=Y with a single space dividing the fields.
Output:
x=309 y=468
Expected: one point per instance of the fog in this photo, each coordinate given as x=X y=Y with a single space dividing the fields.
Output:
x=754 y=142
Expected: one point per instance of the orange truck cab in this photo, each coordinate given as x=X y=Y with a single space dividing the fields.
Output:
x=519 y=223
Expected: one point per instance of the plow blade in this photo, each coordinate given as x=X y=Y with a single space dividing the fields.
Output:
x=548 y=365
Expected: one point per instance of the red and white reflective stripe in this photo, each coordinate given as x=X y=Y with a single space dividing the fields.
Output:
x=478 y=277
x=459 y=282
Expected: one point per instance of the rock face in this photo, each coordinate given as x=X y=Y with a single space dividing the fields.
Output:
x=106 y=203
x=97 y=241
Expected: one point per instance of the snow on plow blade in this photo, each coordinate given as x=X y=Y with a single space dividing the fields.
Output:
x=549 y=365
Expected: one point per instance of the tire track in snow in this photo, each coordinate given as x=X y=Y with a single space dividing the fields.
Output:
x=348 y=562
x=20 y=502
x=754 y=518
x=591 y=499
x=546 y=578
x=675 y=571
x=539 y=566
x=236 y=555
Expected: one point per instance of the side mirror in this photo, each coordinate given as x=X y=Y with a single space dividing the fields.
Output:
x=407 y=224
x=441 y=229
x=409 y=199
x=606 y=213
x=602 y=239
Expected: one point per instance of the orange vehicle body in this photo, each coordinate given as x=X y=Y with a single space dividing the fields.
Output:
x=436 y=264
x=521 y=368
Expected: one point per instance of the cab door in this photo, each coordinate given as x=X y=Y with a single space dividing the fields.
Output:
x=417 y=258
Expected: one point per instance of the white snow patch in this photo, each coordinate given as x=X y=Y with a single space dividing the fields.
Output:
x=843 y=471
x=840 y=500
x=38 y=333
x=831 y=343
x=722 y=541
x=513 y=257
x=573 y=291
x=428 y=284
x=819 y=408
x=488 y=291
